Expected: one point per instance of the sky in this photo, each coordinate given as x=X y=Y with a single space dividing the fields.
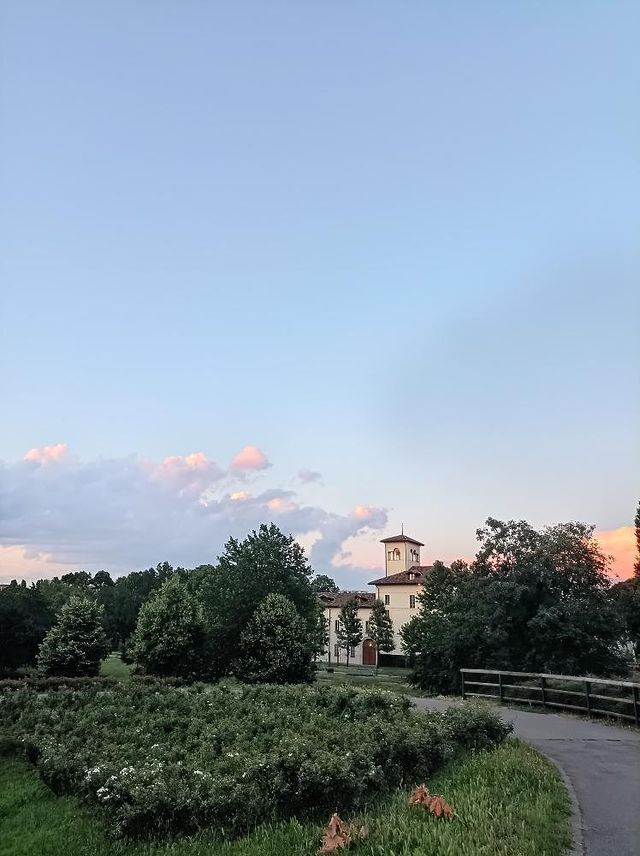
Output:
x=343 y=266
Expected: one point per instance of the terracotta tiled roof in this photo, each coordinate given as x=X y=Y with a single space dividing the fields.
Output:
x=338 y=599
x=416 y=575
x=402 y=538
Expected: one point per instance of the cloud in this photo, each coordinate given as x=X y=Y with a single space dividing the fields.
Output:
x=620 y=544
x=193 y=473
x=309 y=476
x=240 y=496
x=47 y=454
x=249 y=458
x=131 y=512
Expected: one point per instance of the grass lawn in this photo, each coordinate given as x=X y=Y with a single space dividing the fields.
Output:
x=510 y=802
x=393 y=680
x=113 y=667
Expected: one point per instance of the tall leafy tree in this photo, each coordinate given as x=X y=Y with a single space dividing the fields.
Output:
x=170 y=636
x=25 y=618
x=276 y=645
x=381 y=628
x=349 y=633
x=531 y=601
x=266 y=562
x=322 y=582
x=76 y=643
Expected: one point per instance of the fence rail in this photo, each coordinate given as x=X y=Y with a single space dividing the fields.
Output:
x=593 y=696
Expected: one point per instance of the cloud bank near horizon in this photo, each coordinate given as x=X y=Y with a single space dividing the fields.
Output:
x=122 y=514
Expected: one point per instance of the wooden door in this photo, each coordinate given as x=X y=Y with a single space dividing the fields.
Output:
x=368 y=653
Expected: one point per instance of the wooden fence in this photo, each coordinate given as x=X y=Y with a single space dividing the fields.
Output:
x=593 y=696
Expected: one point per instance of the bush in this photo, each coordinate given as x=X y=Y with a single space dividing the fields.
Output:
x=276 y=645
x=169 y=638
x=160 y=760
x=76 y=643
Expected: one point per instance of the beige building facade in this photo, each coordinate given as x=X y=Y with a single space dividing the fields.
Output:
x=398 y=590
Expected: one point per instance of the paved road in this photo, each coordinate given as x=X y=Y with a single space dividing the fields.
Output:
x=602 y=764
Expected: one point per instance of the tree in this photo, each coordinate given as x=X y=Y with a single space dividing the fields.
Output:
x=381 y=628
x=275 y=645
x=170 y=635
x=123 y=600
x=349 y=633
x=25 y=618
x=531 y=601
x=76 y=643
x=321 y=582
x=101 y=579
x=266 y=562
x=626 y=597
x=320 y=633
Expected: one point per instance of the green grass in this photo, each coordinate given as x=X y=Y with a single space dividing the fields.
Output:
x=393 y=680
x=510 y=802
x=113 y=667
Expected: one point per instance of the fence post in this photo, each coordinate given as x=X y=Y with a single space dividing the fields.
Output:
x=543 y=688
x=500 y=690
x=464 y=695
x=587 y=688
x=636 y=705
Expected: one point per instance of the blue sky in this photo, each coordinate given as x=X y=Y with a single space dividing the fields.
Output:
x=395 y=244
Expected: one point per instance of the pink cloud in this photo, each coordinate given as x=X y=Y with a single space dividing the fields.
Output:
x=193 y=472
x=620 y=544
x=280 y=504
x=249 y=458
x=47 y=454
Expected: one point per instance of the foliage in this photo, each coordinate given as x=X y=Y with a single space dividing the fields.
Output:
x=626 y=599
x=531 y=601
x=266 y=562
x=170 y=634
x=511 y=799
x=349 y=633
x=160 y=761
x=381 y=627
x=25 y=618
x=76 y=643
x=276 y=646
x=320 y=633
x=322 y=582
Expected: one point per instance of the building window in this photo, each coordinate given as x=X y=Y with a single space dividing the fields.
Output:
x=336 y=651
x=412 y=601
x=366 y=627
x=352 y=653
x=389 y=555
x=387 y=600
x=396 y=554
x=337 y=625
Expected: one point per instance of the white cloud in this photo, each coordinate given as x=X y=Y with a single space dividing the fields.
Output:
x=126 y=513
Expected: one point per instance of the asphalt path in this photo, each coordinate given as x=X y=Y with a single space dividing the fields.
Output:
x=601 y=767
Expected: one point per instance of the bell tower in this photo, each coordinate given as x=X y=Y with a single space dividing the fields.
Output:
x=400 y=553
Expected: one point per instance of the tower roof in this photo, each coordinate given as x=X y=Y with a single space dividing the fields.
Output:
x=415 y=575
x=402 y=537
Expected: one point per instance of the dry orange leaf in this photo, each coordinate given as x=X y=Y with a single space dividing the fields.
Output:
x=434 y=803
x=338 y=834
